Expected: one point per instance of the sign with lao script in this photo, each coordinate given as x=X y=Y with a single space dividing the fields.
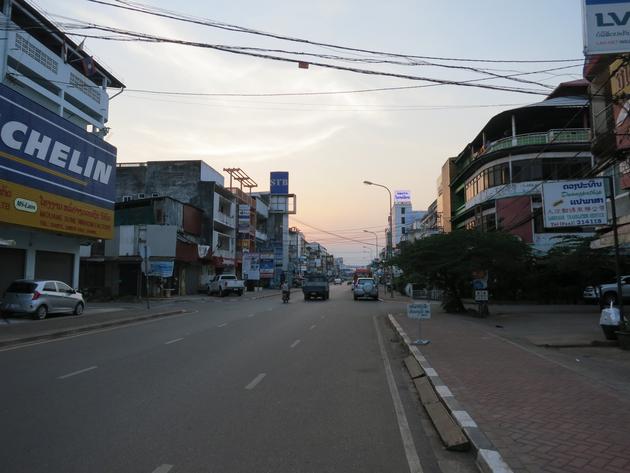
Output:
x=575 y=203
x=419 y=311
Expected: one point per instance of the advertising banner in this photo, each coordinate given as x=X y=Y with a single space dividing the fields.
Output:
x=162 y=269
x=606 y=26
x=243 y=218
x=251 y=266
x=279 y=182
x=620 y=90
x=575 y=203
x=53 y=174
x=402 y=197
x=266 y=266
x=419 y=311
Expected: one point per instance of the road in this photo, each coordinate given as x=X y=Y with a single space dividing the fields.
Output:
x=235 y=386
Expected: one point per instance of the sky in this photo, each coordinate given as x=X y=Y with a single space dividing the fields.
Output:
x=329 y=144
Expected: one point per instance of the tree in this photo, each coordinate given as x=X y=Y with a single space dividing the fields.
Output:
x=446 y=261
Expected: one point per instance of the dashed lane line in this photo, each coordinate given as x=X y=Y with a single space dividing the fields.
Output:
x=74 y=373
x=254 y=382
x=312 y=327
x=163 y=468
x=222 y=325
x=174 y=341
x=295 y=343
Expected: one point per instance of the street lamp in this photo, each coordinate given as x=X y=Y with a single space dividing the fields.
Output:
x=376 y=237
x=390 y=240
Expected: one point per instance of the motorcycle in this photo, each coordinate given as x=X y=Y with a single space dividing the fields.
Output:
x=285 y=297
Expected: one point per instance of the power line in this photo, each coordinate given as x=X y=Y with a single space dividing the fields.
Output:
x=331 y=233
x=163 y=13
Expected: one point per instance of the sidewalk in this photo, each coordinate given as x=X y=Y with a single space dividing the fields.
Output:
x=543 y=410
x=100 y=315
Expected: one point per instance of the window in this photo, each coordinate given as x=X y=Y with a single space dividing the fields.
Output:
x=127 y=198
x=403 y=230
x=62 y=287
x=402 y=220
x=402 y=210
x=50 y=286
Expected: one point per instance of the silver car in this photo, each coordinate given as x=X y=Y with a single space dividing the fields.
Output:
x=366 y=287
x=40 y=298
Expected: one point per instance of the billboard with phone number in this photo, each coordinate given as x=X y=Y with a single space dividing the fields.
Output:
x=54 y=175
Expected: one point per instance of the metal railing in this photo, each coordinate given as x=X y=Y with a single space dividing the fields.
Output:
x=428 y=294
x=569 y=135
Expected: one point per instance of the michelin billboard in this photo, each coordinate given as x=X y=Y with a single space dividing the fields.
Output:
x=53 y=175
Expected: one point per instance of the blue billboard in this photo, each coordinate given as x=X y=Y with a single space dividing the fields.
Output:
x=67 y=175
x=279 y=182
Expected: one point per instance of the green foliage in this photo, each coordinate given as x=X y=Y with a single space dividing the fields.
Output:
x=446 y=261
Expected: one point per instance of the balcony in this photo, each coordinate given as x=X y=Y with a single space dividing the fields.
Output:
x=223 y=245
x=33 y=66
x=224 y=219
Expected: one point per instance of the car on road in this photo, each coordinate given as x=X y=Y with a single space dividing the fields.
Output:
x=225 y=284
x=315 y=285
x=366 y=287
x=608 y=292
x=337 y=281
x=40 y=298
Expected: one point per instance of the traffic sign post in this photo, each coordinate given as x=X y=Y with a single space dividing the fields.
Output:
x=419 y=311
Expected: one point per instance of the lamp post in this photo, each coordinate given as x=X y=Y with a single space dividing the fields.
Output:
x=376 y=237
x=390 y=241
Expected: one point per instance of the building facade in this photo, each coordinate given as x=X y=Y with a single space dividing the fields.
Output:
x=496 y=180
x=57 y=174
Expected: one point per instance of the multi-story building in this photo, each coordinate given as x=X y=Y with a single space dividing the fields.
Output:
x=496 y=180
x=429 y=224
x=171 y=232
x=199 y=185
x=57 y=174
x=609 y=91
x=297 y=248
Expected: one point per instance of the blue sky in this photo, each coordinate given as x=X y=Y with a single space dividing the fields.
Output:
x=329 y=144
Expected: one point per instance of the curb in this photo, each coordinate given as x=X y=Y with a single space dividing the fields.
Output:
x=489 y=459
x=85 y=328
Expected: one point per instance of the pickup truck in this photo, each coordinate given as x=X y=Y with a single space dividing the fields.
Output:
x=224 y=284
x=315 y=285
x=608 y=292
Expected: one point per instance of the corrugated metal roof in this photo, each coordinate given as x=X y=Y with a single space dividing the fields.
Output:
x=560 y=102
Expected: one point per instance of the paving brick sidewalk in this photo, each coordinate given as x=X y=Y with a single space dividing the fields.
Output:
x=542 y=415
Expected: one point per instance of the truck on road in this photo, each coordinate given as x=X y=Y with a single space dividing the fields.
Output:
x=224 y=284
x=315 y=285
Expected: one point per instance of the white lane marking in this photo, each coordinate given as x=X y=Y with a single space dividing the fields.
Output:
x=270 y=309
x=174 y=341
x=74 y=373
x=163 y=469
x=222 y=325
x=255 y=381
x=251 y=315
x=92 y=332
x=312 y=327
x=295 y=343
x=403 y=425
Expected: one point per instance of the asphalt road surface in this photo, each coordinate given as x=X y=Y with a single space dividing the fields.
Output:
x=235 y=386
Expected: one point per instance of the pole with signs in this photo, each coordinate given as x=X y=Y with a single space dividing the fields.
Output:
x=419 y=311
x=146 y=272
x=613 y=209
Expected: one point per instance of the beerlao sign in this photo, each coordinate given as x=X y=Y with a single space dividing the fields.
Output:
x=53 y=175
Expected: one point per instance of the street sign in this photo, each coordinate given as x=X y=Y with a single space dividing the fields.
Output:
x=419 y=311
x=481 y=296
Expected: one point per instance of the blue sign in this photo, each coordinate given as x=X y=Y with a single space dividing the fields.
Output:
x=42 y=150
x=162 y=269
x=279 y=182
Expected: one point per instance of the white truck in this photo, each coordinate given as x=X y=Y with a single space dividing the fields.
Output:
x=224 y=284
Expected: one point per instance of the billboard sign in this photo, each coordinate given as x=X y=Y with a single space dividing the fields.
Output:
x=243 y=218
x=53 y=175
x=266 y=266
x=279 y=182
x=620 y=90
x=606 y=26
x=251 y=266
x=402 y=197
x=163 y=269
x=575 y=203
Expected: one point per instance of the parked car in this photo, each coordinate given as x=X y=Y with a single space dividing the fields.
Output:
x=608 y=292
x=224 y=284
x=316 y=285
x=590 y=294
x=366 y=287
x=40 y=298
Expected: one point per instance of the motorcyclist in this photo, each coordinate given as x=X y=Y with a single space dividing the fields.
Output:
x=286 y=290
